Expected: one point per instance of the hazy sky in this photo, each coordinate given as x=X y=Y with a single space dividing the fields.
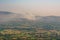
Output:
x=32 y=7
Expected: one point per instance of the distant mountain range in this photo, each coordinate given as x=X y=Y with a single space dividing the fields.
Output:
x=37 y=18
x=48 y=18
x=5 y=13
x=46 y=22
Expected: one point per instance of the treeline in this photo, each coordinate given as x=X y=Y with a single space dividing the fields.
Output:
x=21 y=35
